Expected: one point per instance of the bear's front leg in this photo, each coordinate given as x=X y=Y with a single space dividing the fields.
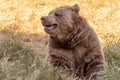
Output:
x=62 y=58
x=94 y=64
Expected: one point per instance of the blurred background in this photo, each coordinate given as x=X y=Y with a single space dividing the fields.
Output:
x=23 y=42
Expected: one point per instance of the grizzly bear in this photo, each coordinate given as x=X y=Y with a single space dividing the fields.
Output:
x=72 y=42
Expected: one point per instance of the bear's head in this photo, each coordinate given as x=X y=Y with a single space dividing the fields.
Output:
x=61 y=21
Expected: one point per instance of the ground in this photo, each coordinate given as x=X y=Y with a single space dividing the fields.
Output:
x=23 y=49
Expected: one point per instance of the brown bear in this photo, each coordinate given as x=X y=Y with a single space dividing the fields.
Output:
x=72 y=42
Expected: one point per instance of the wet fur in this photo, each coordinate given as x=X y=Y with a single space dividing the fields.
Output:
x=79 y=51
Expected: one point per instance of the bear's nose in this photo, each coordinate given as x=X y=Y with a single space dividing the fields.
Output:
x=43 y=18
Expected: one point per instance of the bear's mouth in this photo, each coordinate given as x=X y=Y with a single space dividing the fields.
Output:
x=50 y=27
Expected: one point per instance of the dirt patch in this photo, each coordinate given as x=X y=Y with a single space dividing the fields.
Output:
x=2 y=36
x=35 y=42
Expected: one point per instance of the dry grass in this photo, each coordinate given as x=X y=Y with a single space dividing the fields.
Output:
x=22 y=38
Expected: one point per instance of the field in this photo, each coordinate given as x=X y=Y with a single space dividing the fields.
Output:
x=23 y=42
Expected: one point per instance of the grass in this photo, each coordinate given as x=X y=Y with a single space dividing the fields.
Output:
x=23 y=42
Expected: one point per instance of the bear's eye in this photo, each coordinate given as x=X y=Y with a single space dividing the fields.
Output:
x=57 y=14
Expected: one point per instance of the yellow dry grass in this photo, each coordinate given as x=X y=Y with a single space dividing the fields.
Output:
x=103 y=15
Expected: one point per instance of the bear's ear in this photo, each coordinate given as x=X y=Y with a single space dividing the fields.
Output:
x=75 y=8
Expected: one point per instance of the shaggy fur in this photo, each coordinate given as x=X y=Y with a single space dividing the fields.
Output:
x=72 y=43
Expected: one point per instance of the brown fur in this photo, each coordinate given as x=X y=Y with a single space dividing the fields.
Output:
x=73 y=44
